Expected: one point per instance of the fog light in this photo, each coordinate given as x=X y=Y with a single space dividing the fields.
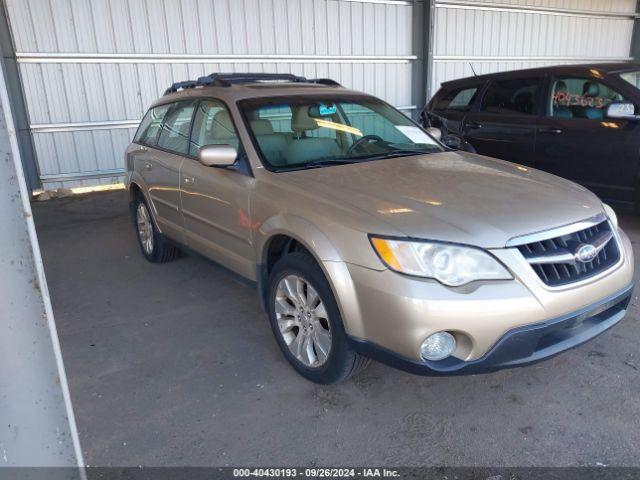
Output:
x=438 y=346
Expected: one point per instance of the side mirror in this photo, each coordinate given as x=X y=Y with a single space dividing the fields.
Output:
x=453 y=142
x=217 y=155
x=622 y=110
x=435 y=133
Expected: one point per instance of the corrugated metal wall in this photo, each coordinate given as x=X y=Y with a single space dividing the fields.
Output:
x=90 y=68
x=514 y=34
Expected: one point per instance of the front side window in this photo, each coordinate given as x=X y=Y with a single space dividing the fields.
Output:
x=212 y=125
x=632 y=77
x=174 y=133
x=511 y=97
x=309 y=131
x=150 y=126
x=460 y=99
x=581 y=98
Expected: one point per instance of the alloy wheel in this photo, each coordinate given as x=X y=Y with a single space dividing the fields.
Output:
x=145 y=228
x=303 y=321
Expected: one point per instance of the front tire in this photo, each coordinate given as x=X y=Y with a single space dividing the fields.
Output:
x=153 y=245
x=306 y=321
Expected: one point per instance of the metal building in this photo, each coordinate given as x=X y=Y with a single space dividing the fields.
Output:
x=89 y=68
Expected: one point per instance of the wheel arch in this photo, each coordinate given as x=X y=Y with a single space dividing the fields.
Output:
x=285 y=233
x=134 y=189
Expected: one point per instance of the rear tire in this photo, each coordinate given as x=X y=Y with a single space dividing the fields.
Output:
x=153 y=245
x=306 y=321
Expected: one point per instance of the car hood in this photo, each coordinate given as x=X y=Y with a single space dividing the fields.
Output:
x=453 y=196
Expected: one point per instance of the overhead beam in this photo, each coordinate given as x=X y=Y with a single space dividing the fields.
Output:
x=539 y=10
x=197 y=58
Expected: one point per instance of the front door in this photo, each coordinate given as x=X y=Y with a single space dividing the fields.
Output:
x=215 y=201
x=577 y=141
x=504 y=125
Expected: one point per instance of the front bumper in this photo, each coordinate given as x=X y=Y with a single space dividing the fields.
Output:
x=497 y=324
x=520 y=346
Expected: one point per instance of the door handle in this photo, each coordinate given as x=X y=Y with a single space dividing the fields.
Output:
x=189 y=180
x=554 y=131
x=148 y=166
x=474 y=125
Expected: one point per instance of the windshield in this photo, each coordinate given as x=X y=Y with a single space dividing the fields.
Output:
x=311 y=131
x=632 y=77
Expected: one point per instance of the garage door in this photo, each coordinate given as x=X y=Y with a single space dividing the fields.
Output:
x=89 y=69
x=513 y=34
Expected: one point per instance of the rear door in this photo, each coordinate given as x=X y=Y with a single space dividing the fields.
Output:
x=577 y=141
x=504 y=124
x=146 y=138
x=162 y=169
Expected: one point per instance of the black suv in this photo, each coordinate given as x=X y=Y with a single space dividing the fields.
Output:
x=580 y=122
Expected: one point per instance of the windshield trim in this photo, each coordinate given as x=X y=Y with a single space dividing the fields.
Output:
x=335 y=96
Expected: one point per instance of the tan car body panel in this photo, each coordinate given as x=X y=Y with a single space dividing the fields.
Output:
x=215 y=205
x=456 y=197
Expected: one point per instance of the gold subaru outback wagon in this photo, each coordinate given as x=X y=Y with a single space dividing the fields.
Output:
x=366 y=237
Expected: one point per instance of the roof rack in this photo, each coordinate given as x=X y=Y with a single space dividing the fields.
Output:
x=228 y=79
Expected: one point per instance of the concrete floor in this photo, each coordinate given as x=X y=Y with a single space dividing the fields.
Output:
x=175 y=364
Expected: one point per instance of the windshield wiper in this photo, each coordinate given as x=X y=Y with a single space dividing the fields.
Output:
x=318 y=163
x=397 y=153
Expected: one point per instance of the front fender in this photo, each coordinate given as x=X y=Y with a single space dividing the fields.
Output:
x=301 y=230
x=326 y=254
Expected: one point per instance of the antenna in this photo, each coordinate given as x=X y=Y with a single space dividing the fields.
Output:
x=473 y=70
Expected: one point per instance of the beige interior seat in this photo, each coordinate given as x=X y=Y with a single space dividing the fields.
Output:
x=271 y=143
x=303 y=148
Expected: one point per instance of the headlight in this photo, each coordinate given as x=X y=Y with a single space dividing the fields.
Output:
x=611 y=214
x=452 y=265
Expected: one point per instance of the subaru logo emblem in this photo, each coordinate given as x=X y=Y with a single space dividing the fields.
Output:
x=586 y=253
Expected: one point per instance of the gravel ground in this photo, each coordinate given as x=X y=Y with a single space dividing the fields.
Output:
x=175 y=364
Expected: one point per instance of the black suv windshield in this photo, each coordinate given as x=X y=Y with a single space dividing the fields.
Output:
x=307 y=131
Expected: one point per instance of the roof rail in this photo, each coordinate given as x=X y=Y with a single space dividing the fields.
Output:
x=231 y=78
x=228 y=79
x=324 y=81
x=180 y=86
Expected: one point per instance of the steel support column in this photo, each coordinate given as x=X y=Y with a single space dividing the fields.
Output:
x=38 y=427
x=17 y=103
x=634 y=51
x=422 y=39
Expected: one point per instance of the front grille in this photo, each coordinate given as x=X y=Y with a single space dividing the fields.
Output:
x=554 y=259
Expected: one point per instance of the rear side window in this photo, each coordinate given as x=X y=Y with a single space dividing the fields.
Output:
x=174 y=133
x=512 y=97
x=150 y=126
x=460 y=99
x=581 y=98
